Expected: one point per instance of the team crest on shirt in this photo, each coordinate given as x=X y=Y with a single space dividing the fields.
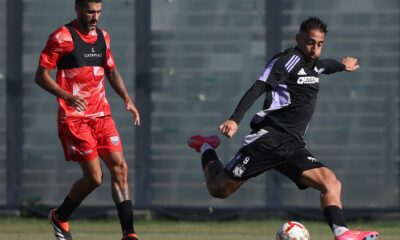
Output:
x=114 y=140
x=239 y=170
x=319 y=70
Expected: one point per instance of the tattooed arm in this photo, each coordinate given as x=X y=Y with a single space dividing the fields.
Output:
x=118 y=85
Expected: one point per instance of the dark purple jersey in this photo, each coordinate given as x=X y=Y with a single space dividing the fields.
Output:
x=291 y=85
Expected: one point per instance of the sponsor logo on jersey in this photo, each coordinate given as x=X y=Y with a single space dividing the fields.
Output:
x=93 y=54
x=302 y=72
x=319 y=70
x=307 y=80
x=114 y=140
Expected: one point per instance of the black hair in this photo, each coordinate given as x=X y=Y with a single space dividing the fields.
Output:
x=313 y=23
x=84 y=3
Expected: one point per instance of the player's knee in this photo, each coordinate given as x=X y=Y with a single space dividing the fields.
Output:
x=337 y=185
x=96 y=180
x=220 y=192
x=121 y=172
x=123 y=169
x=332 y=184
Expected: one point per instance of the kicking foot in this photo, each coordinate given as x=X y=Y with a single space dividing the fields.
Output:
x=197 y=141
x=358 y=235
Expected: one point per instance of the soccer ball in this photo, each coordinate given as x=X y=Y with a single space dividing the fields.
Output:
x=292 y=231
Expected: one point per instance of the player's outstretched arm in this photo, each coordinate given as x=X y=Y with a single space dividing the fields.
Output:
x=228 y=128
x=350 y=63
x=117 y=83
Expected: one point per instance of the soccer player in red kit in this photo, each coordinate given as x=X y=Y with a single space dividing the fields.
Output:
x=81 y=52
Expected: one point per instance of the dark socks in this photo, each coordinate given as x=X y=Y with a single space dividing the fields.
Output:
x=125 y=214
x=334 y=215
x=66 y=209
x=208 y=156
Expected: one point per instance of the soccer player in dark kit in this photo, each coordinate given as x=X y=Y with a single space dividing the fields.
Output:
x=290 y=83
x=81 y=52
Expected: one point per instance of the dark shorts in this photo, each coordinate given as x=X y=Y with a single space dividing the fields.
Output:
x=263 y=151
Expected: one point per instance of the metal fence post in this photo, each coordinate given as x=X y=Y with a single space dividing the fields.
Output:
x=142 y=99
x=273 y=30
x=14 y=108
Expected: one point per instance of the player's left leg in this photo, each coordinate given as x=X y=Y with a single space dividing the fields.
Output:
x=109 y=147
x=219 y=184
x=118 y=168
x=324 y=180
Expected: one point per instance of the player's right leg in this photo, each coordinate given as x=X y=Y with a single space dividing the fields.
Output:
x=92 y=178
x=218 y=183
x=80 y=146
x=61 y=228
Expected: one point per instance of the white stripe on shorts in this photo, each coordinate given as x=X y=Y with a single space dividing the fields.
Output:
x=252 y=137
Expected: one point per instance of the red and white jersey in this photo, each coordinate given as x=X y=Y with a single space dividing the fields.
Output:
x=86 y=81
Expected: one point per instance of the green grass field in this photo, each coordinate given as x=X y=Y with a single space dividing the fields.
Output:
x=37 y=229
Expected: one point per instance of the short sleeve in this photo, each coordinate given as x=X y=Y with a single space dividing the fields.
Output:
x=59 y=43
x=110 y=62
